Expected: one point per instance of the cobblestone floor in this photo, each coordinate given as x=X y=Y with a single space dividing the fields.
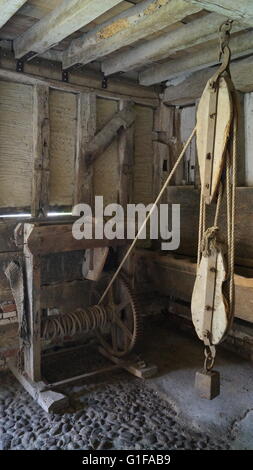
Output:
x=116 y=411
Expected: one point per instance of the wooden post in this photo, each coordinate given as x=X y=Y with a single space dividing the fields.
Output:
x=32 y=353
x=187 y=124
x=86 y=122
x=41 y=136
x=161 y=168
x=126 y=161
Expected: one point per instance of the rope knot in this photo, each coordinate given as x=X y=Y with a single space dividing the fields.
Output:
x=210 y=242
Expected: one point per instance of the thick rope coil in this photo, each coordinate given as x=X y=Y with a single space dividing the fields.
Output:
x=79 y=321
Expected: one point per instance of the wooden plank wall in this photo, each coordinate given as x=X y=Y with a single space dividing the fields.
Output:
x=16 y=144
x=106 y=166
x=63 y=132
x=173 y=128
x=143 y=161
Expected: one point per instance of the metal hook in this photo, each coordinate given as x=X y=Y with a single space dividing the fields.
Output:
x=225 y=52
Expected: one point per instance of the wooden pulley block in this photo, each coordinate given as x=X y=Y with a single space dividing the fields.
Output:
x=210 y=312
x=214 y=117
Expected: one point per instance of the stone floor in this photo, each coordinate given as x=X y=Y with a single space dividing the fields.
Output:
x=117 y=411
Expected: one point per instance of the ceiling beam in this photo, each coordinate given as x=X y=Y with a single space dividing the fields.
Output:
x=240 y=45
x=126 y=28
x=191 y=88
x=192 y=34
x=241 y=10
x=8 y=8
x=64 y=20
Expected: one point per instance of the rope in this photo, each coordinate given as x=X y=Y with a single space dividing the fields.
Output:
x=233 y=208
x=207 y=239
x=217 y=212
x=79 y=321
x=201 y=213
x=149 y=215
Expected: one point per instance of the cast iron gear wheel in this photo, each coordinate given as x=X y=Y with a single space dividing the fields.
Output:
x=124 y=329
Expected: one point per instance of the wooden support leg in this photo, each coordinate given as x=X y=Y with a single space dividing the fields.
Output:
x=50 y=401
x=134 y=365
x=32 y=353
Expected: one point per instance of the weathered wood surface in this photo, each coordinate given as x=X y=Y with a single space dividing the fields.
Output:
x=66 y=18
x=86 y=128
x=94 y=262
x=128 y=27
x=209 y=307
x=161 y=167
x=66 y=296
x=7 y=241
x=5 y=290
x=187 y=123
x=175 y=276
x=41 y=142
x=241 y=11
x=188 y=198
x=56 y=268
x=126 y=162
x=46 y=239
x=241 y=45
x=102 y=140
x=16 y=144
x=32 y=352
x=62 y=267
x=143 y=157
x=8 y=8
x=50 y=401
x=63 y=135
x=214 y=117
x=191 y=87
x=42 y=72
x=105 y=168
x=192 y=34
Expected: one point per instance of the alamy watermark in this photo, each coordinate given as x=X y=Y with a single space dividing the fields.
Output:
x=113 y=222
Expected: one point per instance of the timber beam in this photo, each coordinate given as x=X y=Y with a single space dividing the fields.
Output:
x=191 y=87
x=192 y=34
x=130 y=26
x=64 y=20
x=241 y=10
x=8 y=8
x=241 y=45
x=102 y=140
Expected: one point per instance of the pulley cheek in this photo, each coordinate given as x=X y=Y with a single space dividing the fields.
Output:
x=213 y=294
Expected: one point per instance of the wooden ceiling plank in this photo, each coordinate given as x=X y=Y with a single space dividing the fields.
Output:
x=190 y=88
x=192 y=34
x=8 y=8
x=241 y=45
x=241 y=10
x=67 y=18
x=130 y=26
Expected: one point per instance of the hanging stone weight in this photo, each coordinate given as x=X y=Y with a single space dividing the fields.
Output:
x=207 y=383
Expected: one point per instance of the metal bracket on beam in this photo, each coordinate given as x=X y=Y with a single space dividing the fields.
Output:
x=65 y=76
x=104 y=81
x=20 y=66
x=22 y=60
